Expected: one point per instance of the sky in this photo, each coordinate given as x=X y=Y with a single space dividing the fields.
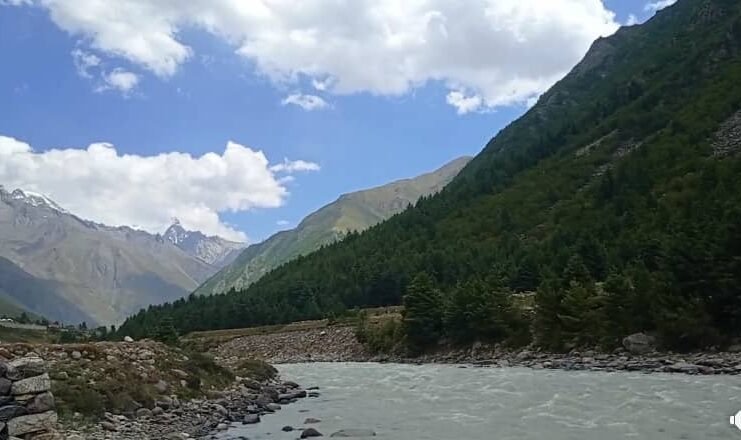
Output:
x=240 y=117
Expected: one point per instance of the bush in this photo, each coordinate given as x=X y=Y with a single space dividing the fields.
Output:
x=257 y=370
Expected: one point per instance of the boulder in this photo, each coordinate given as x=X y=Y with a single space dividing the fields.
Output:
x=28 y=366
x=311 y=421
x=287 y=428
x=11 y=411
x=251 y=419
x=41 y=403
x=143 y=412
x=76 y=355
x=161 y=387
x=128 y=339
x=109 y=426
x=639 y=343
x=310 y=432
x=23 y=425
x=354 y=433
x=32 y=385
x=5 y=386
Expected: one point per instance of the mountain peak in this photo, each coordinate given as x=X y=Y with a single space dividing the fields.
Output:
x=210 y=249
x=37 y=200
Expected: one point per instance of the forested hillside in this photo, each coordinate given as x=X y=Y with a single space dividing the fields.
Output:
x=616 y=198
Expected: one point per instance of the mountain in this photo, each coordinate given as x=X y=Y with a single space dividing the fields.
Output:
x=355 y=211
x=213 y=250
x=57 y=265
x=611 y=207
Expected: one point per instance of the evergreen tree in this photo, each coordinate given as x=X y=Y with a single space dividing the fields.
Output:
x=422 y=312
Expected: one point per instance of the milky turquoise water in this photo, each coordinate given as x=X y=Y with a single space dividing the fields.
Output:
x=448 y=402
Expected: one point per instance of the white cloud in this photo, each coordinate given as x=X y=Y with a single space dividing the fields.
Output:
x=84 y=62
x=504 y=51
x=121 y=80
x=291 y=166
x=123 y=189
x=659 y=5
x=306 y=102
x=464 y=104
x=282 y=223
x=632 y=20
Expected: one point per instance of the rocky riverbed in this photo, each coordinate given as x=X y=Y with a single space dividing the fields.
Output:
x=173 y=419
x=338 y=344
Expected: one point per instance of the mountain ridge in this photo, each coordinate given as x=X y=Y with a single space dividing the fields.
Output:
x=606 y=198
x=354 y=211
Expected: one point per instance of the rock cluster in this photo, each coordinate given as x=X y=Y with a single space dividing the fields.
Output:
x=330 y=344
x=173 y=419
x=338 y=344
x=26 y=403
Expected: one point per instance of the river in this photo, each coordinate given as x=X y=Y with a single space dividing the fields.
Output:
x=410 y=402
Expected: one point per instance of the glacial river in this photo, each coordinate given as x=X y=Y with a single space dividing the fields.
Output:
x=408 y=402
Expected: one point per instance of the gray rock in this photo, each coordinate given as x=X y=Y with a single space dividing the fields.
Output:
x=11 y=411
x=76 y=355
x=223 y=412
x=683 y=367
x=222 y=427
x=273 y=406
x=41 y=403
x=287 y=428
x=5 y=386
x=128 y=339
x=32 y=385
x=310 y=432
x=180 y=374
x=20 y=426
x=25 y=367
x=161 y=387
x=639 y=343
x=354 y=433
x=109 y=426
x=311 y=421
x=251 y=419
x=143 y=412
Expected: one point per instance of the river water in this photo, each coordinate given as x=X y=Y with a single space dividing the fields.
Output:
x=412 y=402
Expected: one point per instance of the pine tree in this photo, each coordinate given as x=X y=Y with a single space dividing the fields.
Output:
x=422 y=312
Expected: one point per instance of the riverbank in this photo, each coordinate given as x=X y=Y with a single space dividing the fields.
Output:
x=147 y=390
x=338 y=344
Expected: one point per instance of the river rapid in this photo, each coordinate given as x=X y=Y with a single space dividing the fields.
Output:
x=417 y=402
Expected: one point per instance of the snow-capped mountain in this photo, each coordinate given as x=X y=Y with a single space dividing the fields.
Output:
x=57 y=265
x=31 y=198
x=213 y=250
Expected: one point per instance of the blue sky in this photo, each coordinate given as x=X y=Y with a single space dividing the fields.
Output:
x=379 y=114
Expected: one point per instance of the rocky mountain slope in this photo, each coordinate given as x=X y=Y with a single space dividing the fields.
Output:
x=213 y=250
x=57 y=265
x=355 y=211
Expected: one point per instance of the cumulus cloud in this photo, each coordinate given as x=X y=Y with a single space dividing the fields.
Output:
x=90 y=66
x=121 y=80
x=632 y=20
x=282 y=223
x=464 y=104
x=504 y=51
x=85 y=62
x=306 y=102
x=148 y=191
x=658 y=5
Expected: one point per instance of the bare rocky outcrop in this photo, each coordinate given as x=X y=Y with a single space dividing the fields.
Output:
x=727 y=140
x=27 y=407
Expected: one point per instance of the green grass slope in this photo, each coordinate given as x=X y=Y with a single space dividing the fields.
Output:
x=351 y=212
